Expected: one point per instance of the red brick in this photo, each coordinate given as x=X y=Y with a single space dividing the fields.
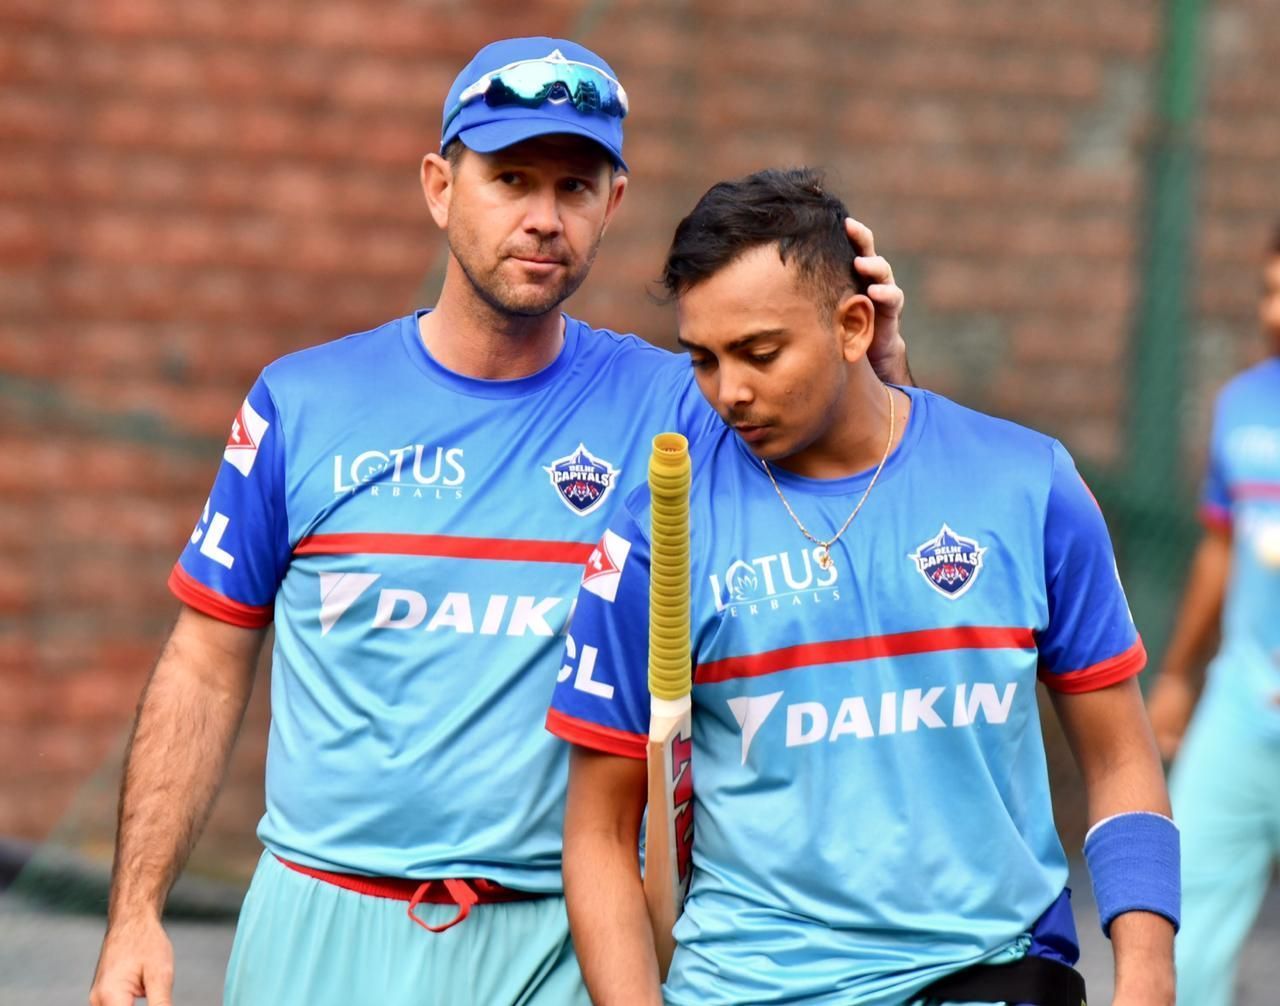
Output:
x=28 y=236
x=25 y=696
x=108 y=698
x=32 y=807
x=1026 y=25
x=20 y=16
x=53 y=751
x=17 y=590
x=31 y=465
x=31 y=57
x=970 y=286
x=1241 y=136
x=124 y=521
x=1231 y=187
x=32 y=117
x=28 y=174
x=1101 y=340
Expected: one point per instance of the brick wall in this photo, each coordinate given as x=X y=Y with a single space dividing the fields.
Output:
x=190 y=190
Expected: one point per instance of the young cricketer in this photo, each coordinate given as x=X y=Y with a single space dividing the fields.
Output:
x=879 y=580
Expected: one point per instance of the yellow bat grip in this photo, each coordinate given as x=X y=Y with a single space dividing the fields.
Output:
x=670 y=670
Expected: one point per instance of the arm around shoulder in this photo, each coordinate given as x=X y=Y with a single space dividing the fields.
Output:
x=1174 y=695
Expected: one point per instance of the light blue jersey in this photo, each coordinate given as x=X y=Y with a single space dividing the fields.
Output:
x=1242 y=493
x=871 y=804
x=418 y=537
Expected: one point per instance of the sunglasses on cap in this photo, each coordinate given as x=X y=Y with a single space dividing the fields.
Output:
x=533 y=82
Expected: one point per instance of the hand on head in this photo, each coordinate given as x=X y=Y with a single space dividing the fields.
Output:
x=888 y=349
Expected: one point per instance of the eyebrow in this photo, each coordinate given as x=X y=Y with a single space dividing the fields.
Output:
x=739 y=343
x=575 y=164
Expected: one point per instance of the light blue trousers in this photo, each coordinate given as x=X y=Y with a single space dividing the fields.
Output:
x=307 y=942
x=1225 y=789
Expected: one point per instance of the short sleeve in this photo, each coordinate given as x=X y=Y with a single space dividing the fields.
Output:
x=601 y=698
x=237 y=554
x=1215 y=500
x=1090 y=641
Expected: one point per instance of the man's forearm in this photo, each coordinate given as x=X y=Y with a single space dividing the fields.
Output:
x=1143 y=946
x=610 y=921
x=1201 y=608
x=1113 y=746
x=187 y=722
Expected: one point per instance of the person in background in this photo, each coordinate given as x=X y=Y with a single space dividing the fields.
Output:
x=1225 y=780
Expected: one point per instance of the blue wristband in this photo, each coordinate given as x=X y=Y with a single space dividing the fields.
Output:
x=1134 y=863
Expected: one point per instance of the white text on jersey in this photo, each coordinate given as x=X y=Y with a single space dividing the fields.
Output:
x=585 y=680
x=770 y=582
x=405 y=470
x=401 y=609
x=898 y=712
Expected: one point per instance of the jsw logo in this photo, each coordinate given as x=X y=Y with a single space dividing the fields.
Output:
x=897 y=712
x=401 y=609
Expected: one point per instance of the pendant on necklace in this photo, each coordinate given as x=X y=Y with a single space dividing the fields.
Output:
x=824 y=557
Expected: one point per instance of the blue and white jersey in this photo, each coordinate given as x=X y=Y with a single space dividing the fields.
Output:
x=1242 y=493
x=418 y=537
x=871 y=803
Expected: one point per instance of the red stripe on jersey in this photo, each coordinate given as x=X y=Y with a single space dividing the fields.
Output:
x=448 y=546
x=899 y=644
x=1100 y=675
x=195 y=594
x=1256 y=491
x=597 y=737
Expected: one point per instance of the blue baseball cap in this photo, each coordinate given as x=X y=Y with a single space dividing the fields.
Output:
x=486 y=127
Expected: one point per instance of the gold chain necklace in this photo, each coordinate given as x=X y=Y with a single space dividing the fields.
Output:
x=824 y=547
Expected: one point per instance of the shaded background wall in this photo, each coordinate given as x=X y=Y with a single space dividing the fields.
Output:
x=1073 y=195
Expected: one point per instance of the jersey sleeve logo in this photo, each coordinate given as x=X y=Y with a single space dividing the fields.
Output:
x=603 y=570
x=582 y=480
x=246 y=434
x=949 y=562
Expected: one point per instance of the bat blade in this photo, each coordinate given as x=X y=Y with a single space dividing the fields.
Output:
x=669 y=829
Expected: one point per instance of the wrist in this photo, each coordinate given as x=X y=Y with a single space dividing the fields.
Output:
x=1144 y=972
x=133 y=913
x=1153 y=988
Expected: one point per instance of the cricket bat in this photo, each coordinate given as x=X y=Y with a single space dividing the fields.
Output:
x=669 y=833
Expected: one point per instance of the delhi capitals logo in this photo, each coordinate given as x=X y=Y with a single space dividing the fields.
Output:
x=583 y=480
x=950 y=562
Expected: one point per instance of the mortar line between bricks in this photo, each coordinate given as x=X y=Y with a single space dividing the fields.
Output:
x=38 y=399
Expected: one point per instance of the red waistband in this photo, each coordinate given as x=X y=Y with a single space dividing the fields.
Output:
x=451 y=891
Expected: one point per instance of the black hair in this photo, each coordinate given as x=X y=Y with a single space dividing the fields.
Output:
x=455 y=149
x=1274 y=247
x=453 y=152
x=788 y=207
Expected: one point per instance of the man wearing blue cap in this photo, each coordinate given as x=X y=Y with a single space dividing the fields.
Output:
x=412 y=507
